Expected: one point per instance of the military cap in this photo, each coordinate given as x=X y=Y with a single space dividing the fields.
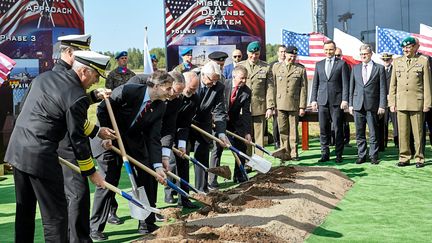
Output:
x=292 y=50
x=386 y=55
x=186 y=51
x=408 y=41
x=93 y=59
x=218 y=56
x=80 y=42
x=121 y=54
x=153 y=57
x=253 y=46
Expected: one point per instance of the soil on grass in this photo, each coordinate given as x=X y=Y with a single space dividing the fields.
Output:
x=283 y=205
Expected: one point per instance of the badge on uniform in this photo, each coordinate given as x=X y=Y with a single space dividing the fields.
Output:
x=262 y=72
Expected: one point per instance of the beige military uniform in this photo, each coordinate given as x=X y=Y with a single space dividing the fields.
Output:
x=291 y=95
x=410 y=93
x=260 y=81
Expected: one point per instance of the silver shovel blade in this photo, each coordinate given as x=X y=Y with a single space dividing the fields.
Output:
x=137 y=212
x=260 y=164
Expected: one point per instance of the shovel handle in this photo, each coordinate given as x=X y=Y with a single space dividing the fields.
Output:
x=178 y=189
x=135 y=162
x=169 y=173
x=116 y=129
x=209 y=135
x=193 y=160
x=240 y=138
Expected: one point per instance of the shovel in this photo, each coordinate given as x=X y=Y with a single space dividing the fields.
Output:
x=248 y=142
x=140 y=192
x=178 y=178
x=138 y=210
x=222 y=171
x=156 y=175
x=256 y=162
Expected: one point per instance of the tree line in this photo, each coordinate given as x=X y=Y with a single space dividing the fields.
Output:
x=136 y=60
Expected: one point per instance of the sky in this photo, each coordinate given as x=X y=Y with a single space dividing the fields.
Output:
x=118 y=25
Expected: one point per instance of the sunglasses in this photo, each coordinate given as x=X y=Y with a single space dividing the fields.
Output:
x=237 y=56
x=337 y=55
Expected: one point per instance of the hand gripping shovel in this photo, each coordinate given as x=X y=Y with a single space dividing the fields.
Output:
x=256 y=162
x=222 y=171
x=248 y=142
x=138 y=209
x=140 y=192
x=156 y=175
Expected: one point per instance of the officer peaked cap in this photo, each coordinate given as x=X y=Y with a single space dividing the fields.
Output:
x=93 y=59
x=218 y=56
x=80 y=42
x=291 y=50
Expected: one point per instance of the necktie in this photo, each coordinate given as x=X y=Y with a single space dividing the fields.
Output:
x=146 y=108
x=328 y=67
x=233 y=95
x=408 y=61
x=289 y=65
x=202 y=92
x=364 y=73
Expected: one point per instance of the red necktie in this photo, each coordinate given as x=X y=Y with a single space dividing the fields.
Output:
x=233 y=95
x=146 y=108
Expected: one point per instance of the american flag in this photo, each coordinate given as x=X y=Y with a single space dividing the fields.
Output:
x=6 y=65
x=389 y=40
x=13 y=13
x=310 y=48
x=187 y=14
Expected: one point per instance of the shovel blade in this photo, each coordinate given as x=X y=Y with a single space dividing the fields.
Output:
x=222 y=171
x=259 y=164
x=137 y=212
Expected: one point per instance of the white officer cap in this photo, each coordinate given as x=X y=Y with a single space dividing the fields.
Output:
x=80 y=42
x=93 y=59
x=211 y=68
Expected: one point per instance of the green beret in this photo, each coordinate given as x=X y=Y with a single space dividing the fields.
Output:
x=253 y=46
x=408 y=41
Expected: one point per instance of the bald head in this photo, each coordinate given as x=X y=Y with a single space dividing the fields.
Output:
x=237 y=56
x=192 y=83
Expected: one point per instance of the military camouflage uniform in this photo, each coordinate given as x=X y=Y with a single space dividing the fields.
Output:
x=116 y=78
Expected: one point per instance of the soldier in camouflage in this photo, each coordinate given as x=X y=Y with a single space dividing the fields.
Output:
x=121 y=74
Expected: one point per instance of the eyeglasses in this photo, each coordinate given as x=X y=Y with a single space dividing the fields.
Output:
x=364 y=54
x=338 y=55
x=239 y=56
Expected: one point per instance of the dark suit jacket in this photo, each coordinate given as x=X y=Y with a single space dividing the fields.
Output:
x=212 y=108
x=388 y=77
x=56 y=104
x=143 y=139
x=239 y=113
x=373 y=94
x=185 y=114
x=334 y=90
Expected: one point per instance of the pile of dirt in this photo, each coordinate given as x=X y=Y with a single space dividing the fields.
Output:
x=283 y=205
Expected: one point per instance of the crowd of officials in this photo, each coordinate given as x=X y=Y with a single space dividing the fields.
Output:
x=154 y=112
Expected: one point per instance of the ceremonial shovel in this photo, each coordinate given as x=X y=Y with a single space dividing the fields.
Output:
x=140 y=192
x=256 y=162
x=248 y=142
x=138 y=210
x=222 y=171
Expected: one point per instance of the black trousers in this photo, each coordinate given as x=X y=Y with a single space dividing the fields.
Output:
x=201 y=149
x=110 y=166
x=50 y=196
x=183 y=172
x=326 y=115
x=78 y=202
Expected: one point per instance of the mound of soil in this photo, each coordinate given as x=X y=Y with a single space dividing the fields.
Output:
x=283 y=205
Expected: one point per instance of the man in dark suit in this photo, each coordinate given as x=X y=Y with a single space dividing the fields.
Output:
x=211 y=109
x=367 y=100
x=330 y=93
x=56 y=104
x=138 y=110
x=237 y=100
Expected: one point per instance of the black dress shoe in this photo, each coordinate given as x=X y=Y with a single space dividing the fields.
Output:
x=114 y=219
x=419 y=165
x=97 y=236
x=360 y=161
x=169 y=198
x=147 y=228
x=323 y=159
x=239 y=179
x=402 y=164
x=374 y=161
x=339 y=160
x=186 y=203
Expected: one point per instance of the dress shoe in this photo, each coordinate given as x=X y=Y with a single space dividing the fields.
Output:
x=239 y=179
x=169 y=198
x=374 y=161
x=295 y=159
x=419 y=165
x=323 y=159
x=339 y=160
x=402 y=164
x=360 y=161
x=147 y=228
x=97 y=236
x=159 y=217
x=186 y=203
x=114 y=219
x=210 y=188
x=214 y=184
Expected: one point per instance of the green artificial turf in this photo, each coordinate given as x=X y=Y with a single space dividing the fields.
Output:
x=386 y=203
